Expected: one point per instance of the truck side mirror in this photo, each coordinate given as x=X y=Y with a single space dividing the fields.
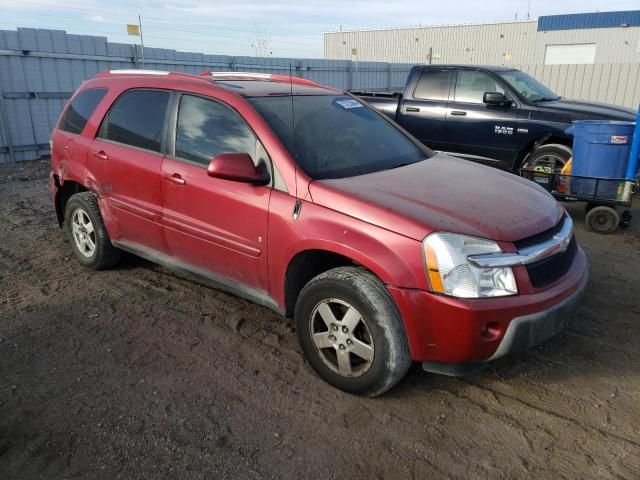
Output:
x=496 y=99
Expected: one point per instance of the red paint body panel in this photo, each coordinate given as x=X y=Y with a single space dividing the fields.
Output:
x=395 y=259
x=446 y=194
x=448 y=330
x=214 y=223
x=130 y=185
x=247 y=233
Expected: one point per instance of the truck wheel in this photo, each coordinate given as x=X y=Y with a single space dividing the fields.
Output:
x=548 y=158
x=351 y=331
x=87 y=234
x=602 y=219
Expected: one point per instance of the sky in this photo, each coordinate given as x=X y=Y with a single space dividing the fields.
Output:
x=278 y=28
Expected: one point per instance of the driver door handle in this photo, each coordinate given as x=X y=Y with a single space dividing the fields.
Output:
x=175 y=178
x=413 y=109
x=99 y=155
x=460 y=113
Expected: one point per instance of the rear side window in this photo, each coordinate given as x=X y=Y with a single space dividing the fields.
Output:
x=137 y=119
x=207 y=128
x=77 y=114
x=433 y=85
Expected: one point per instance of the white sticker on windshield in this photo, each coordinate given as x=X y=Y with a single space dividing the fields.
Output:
x=349 y=103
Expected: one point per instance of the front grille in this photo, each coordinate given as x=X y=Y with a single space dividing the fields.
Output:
x=540 y=237
x=548 y=270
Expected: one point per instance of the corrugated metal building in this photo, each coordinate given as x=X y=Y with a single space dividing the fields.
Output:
x=587 y=38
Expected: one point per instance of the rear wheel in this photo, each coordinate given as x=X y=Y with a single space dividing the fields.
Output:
x=351 y=331
x=86 y=232
x=548 y=158
x=602 y=219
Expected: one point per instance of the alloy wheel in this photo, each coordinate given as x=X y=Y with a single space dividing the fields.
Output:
x=84 y=234
x=342 y=337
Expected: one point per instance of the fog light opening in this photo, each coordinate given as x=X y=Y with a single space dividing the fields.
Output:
x=490 y=331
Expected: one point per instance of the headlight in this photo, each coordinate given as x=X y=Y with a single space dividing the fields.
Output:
x=450 y=272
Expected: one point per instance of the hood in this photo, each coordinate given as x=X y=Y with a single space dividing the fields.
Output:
x=579 y=110
x=443 y=193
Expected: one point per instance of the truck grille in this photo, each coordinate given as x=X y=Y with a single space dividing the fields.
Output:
x=550 y=269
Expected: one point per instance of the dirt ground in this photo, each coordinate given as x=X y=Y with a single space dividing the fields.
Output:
x=139 y=373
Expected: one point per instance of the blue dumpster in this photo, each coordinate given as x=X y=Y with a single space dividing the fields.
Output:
x=600 y=149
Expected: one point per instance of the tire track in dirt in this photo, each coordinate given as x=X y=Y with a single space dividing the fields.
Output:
x=138 y=372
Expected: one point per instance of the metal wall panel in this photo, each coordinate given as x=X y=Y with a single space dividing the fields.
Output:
x=507 y=43
x=610 y=83
x=40 y=69
x=578 y=21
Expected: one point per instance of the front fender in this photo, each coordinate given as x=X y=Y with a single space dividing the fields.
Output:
x=394 y=258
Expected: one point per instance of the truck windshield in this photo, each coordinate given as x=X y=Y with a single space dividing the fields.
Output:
x=528 y=87
x=336 y=136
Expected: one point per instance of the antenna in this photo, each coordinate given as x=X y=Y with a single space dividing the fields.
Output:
x=293 y=131
x=529 y=10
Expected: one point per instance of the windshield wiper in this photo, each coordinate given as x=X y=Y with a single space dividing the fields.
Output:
x=546 y=99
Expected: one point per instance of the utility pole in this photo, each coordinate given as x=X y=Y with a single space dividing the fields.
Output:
x=141 y=40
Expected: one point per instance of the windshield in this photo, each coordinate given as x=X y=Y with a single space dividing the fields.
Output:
x=527 y=86
x=336 y=136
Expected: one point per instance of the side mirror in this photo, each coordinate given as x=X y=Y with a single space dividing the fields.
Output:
x=496 y=99
x=238 y=167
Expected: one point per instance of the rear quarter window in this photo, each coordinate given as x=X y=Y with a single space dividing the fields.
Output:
x=79 y=111
x=137 y=118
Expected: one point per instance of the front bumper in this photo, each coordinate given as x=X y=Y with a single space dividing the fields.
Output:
x=533 y=329
x=454 y=336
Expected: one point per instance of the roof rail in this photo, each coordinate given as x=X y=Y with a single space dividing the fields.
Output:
x=258 y=76
x=159 y=73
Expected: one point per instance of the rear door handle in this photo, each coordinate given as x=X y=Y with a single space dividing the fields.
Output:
x=413 y=109
x=175 y=178
x=460 y=113
x=100 y=155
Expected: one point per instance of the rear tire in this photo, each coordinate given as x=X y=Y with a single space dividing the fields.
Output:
x=602 y=219
x=87 y=234
x=553 y=157
x=351 y=331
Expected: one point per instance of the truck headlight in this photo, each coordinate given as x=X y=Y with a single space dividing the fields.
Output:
x=451 y=273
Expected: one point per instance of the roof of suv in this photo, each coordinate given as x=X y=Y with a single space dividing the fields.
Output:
x=246 y=84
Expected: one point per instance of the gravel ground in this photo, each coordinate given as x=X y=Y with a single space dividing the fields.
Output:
x=138 y=372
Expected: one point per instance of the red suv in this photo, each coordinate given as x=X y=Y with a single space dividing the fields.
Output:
x=304 y=199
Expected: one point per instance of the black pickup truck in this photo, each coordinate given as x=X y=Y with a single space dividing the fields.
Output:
x=495 y=115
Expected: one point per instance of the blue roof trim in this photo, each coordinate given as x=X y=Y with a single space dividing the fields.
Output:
x=579 y=21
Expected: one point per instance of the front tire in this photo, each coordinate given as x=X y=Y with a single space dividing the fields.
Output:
x=351 y=331
x=87 y=234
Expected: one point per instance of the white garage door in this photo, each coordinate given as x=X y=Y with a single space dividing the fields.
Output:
x=570 y=54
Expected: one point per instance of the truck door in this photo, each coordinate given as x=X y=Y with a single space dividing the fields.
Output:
x=486 y=133
x=423 y=111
